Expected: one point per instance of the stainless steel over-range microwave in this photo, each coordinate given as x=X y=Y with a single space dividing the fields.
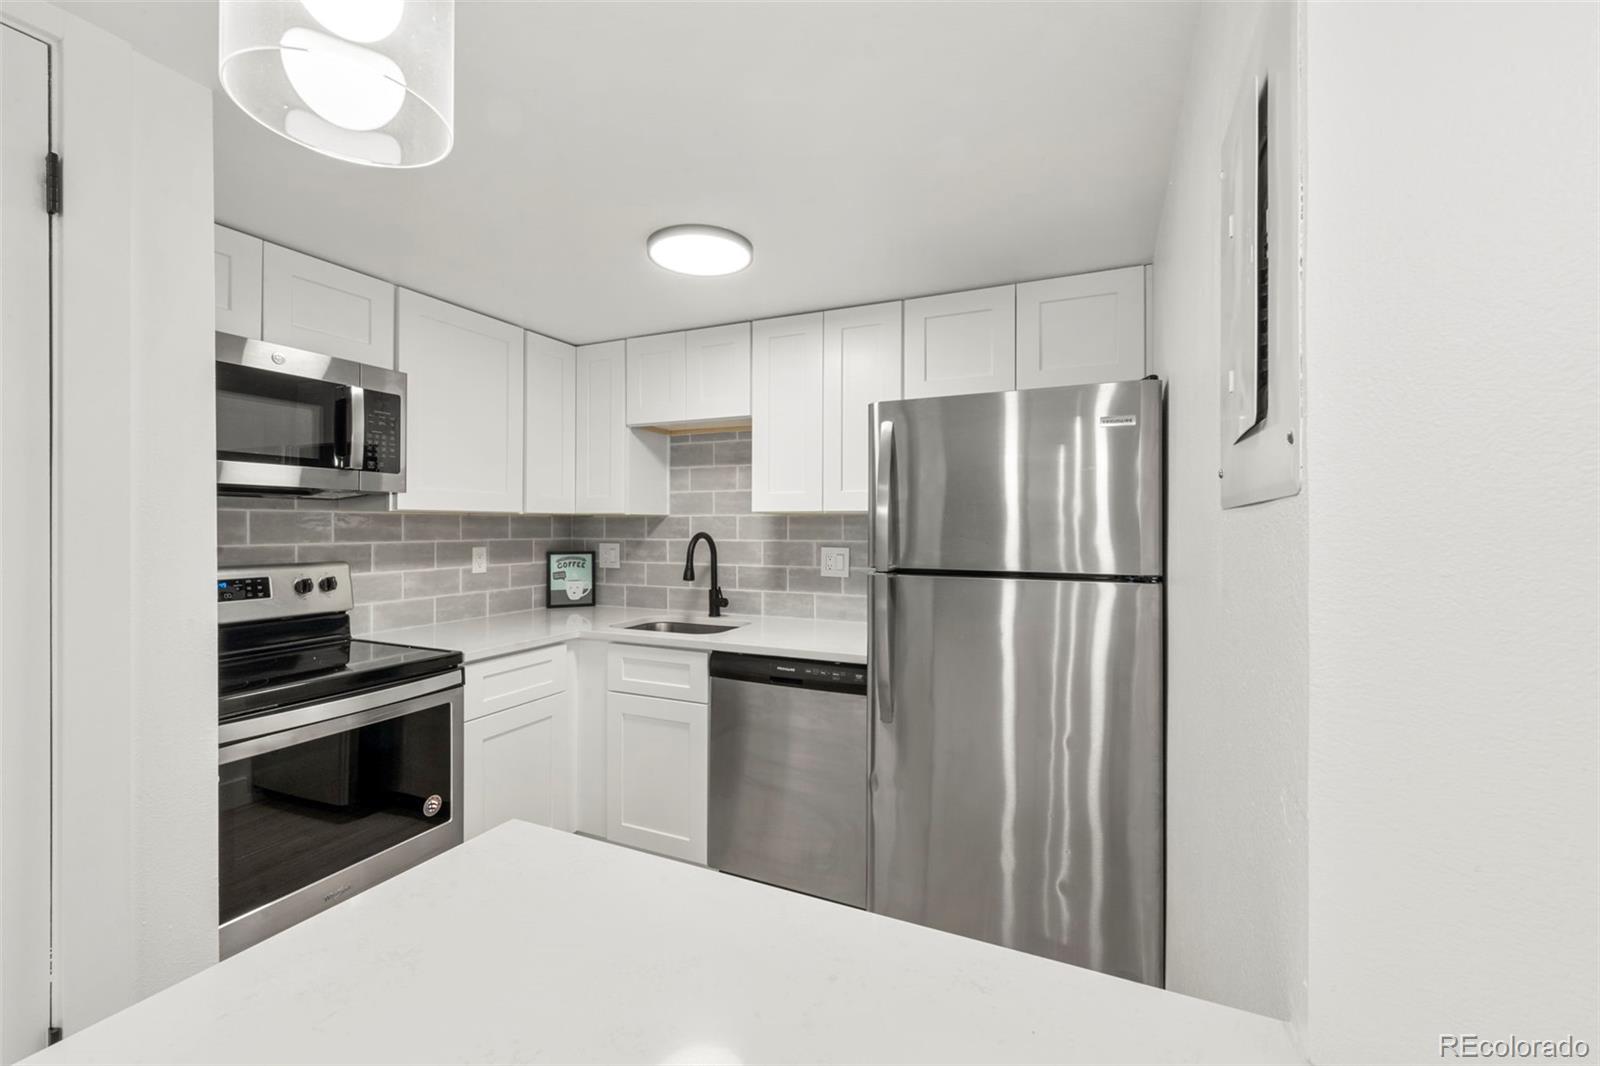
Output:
x=293 y=422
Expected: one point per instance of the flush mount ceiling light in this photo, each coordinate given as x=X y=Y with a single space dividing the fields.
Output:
x=704 y=251
x=366 y=81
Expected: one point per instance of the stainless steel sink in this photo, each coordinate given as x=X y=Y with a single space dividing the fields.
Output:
x=683 y=627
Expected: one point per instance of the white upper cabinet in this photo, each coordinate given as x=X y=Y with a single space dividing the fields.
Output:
x=786 y=397
x=550 y=410
x=656 y=376
x=238 y=276
x=307 y=303
x=701 y=377
x=961 y=342
x=717 y=364
x=620 y=470
x=860 y=366
x=1081 y=330
x=465 y=395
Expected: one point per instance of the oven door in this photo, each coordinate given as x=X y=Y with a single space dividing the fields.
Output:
x=318 y=803
x=288 y=421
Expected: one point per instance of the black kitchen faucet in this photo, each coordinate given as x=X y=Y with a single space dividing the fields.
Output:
x=718 y=600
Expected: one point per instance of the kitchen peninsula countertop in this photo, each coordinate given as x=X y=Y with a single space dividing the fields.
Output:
x=506 y=634
x=530 y=945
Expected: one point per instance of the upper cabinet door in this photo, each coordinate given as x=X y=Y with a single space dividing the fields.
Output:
x=550 y=410
x=860 y=366
x=656 y=377
x=717 y=362
x=961 y=342
x=323 y=308
x=238 y=268
x=602 y=414
x=464 y=391
x=786 y=414
x=1081 y=330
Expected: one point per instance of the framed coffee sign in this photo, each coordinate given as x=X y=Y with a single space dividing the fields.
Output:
x=571 y=578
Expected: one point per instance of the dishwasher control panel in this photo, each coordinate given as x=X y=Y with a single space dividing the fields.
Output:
x=796 y=673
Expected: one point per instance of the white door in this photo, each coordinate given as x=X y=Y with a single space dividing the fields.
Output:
x=860 y=366
x=1081 y=330
x=238 y=278
x=656 y=378
x=786 y=414
x=464 y=390
x=961 y=342
x=307 y=303
x=717 y=365
x=550 y=411
x=25 y=600
x=517 y=765
x=602 y=414
x=656 y=774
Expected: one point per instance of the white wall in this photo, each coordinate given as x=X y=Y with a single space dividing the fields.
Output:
x=1236 y=606
x=1451 y=337
x=135 y=539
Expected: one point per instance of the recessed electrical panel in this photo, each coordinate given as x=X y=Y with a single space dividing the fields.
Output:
x=1261 y=369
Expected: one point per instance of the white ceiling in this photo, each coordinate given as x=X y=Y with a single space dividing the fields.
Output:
x=869 y=151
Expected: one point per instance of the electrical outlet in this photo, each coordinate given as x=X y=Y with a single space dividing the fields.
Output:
x=480 y=560
x=835 y=562
x=610 y=556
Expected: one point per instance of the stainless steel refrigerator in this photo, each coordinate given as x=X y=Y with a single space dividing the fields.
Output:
x=1016 y=670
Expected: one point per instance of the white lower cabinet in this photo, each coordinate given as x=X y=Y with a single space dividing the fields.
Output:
x=519 y=741
x=656 y=751
x=517 y=765
x=656 y=775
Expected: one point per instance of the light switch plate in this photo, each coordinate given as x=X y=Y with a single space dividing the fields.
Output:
x=835 y=562
x=480 y=559
x=610 y=556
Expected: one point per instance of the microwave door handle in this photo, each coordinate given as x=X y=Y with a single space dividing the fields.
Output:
x=357 y=440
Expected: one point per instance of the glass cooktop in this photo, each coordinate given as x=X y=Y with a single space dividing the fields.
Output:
x=287 y=674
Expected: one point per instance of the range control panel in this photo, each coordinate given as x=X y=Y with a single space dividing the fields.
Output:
x=229 y=589
x=253 y=594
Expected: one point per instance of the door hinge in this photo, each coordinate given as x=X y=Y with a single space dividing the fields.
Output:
x=52 y=183
x=52 y=1035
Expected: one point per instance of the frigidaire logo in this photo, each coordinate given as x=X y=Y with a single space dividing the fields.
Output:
x=336 y=893
x=1118 y=420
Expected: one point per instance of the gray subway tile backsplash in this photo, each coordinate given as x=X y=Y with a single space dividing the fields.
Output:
x=413 y=569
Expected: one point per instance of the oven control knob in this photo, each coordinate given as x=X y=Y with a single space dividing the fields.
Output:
x=328 y=584
x=432 y=805
x=304 y=586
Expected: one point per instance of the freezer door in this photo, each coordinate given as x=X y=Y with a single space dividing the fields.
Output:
x=1044 y=481
x=1017 y=786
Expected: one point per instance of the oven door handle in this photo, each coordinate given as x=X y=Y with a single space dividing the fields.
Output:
x=248 y=737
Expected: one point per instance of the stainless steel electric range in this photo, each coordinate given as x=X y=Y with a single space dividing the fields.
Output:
x=339 y=760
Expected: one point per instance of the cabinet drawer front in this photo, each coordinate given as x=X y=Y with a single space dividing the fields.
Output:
x=497 y=684
x=666 y=672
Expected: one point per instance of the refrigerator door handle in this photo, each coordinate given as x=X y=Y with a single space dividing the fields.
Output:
x=883 y=530
x=882 y=629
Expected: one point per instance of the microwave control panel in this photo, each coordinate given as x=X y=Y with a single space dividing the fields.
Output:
x=382 y=433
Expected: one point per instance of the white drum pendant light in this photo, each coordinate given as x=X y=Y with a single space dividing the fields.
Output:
x=366 y=81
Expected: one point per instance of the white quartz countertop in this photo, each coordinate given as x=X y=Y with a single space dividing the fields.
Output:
x=530 y=945
x=504 y=634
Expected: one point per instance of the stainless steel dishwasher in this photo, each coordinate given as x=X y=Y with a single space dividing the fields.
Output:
x=789 y=764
